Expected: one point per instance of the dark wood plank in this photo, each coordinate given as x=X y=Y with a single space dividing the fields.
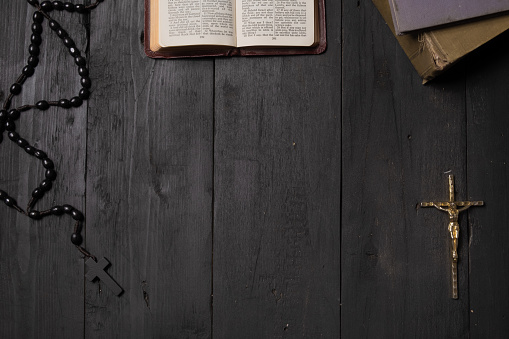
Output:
x=41 y=272
x=149 y=183
x=277 y=194
x=306 y=199
x=400 y=139
x=488 y=179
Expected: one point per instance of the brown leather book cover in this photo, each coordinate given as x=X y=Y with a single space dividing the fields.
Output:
x=239 y=51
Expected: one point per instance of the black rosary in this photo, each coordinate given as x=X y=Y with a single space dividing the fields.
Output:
x=9 y=116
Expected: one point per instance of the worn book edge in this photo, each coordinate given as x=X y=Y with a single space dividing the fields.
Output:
x=433 y=52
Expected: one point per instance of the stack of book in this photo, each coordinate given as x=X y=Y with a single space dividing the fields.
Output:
x=435 y=34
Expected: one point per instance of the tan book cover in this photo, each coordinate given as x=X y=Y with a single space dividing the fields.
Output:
x=432 y=52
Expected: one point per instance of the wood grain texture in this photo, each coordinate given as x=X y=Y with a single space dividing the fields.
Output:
x=488 y=179
x=400 y=139
x=149 y=183
x=41 y=272
x=255 y=197
x=277 y=194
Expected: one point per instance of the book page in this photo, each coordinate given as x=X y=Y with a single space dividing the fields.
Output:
x=196 y=22
x=275 y=22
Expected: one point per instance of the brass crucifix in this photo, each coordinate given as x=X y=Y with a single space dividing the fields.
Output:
x=451 y=207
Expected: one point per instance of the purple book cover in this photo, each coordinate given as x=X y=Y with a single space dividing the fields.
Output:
x=411 y=15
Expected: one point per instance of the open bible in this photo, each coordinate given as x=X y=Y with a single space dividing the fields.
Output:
x=187 y=28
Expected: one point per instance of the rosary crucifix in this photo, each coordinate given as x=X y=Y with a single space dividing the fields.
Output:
x=451 y=207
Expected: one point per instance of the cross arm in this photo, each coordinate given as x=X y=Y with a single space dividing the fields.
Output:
x=436 y=204
x=432 y=204
x=469 y=203
x=448 y=203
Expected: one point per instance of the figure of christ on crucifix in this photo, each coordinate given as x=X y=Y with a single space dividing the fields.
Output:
x=454 y=226
x=451 y=207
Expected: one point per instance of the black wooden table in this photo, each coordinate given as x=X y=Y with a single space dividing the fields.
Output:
x=255 y=197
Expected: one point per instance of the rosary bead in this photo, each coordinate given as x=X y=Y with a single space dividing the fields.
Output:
x=58 y=5
x=86 y=82
x=10 y=201
x=83 y=71
x=80 y=8
x=76 y=239
x=16 y=88
x=42 y=105
x=62 y=33
x=10 y=125
x=38 y=17
x=33 y=61
x=22 y=142
x=69 y=7
x=40 y=154
x=74 y=51
x=30 y=150
x=37 y=193
x=53 y=25
x=51 y=174
x=9 y=116
x=46 y=6
x=68 y=42
x=33 y=49
x=57 y=210
x=47 y=163
x=36 y=39
x=77 y=215
x=14 y=114
x=76 y=102
x=13 y=136
x=36 y=28
x=84 y=94
x=28 y=71
x=64 y=103
x=36 y=215
x=46 y=185
x=80 y=61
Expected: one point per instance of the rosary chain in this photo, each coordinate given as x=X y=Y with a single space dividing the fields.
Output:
x=9 y=116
